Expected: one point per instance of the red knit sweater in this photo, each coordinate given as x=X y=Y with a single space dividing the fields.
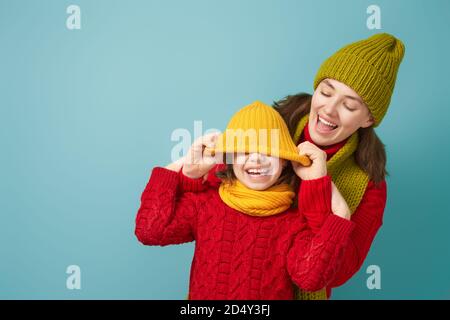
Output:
x=315 y=207
x=238 y=256
x=368 y=219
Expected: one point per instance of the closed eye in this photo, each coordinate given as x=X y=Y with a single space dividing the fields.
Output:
x=348 y=108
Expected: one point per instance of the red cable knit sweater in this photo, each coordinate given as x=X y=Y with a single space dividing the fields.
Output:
x=238 y=256
x=315 y=207
x=368 y=219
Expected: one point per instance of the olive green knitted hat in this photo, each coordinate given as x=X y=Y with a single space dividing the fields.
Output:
x=369 y=67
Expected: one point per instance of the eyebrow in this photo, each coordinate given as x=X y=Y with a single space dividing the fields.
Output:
x=350 y=97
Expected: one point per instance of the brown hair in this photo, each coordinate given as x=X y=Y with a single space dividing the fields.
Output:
x=370 y=155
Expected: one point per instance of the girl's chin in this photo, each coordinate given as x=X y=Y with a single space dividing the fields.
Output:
x=257 y=187
x=257 y=182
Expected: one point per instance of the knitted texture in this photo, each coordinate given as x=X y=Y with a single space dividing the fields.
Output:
x=262 y=203
x=315 y=207
x=310 y=295
x=239 y=256
x=348 y=177
x=369 y=67
x=259 y=128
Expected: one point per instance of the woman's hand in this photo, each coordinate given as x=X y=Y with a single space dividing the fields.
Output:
x=318 y=168
x=198 y=162
x=338 y=204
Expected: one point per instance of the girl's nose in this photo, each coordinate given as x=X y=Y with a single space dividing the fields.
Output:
x=256 y=157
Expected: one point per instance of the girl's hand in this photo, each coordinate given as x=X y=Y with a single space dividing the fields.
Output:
x=338 y=204
x=197 y=162
x=318 y=168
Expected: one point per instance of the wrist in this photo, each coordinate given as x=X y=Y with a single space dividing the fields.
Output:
x=315 y=176
x=315 y=197
x=189 y=174
x=173 y=167
x=343 y=212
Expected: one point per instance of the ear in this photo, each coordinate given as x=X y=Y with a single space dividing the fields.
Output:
x=370 y=121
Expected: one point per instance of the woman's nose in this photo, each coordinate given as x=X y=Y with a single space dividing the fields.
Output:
x=330 y=107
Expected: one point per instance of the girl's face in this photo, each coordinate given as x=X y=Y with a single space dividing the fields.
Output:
x=257 y=171
x=337 y=111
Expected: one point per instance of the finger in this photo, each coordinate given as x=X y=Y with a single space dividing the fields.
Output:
x=305 y=146
x=311 y=151
x=310 y=147
x=306 y=150
x=200 y=141
x=305 y=161
x=305 y=143
x=209 y=160
x=208 y=152
x=210 y=139
x=195 y=153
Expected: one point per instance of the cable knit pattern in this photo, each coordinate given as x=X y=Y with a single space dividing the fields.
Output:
x=160 y=219
x=365 y=199
x=238 y=256
x=315 y=206
x=368 y=219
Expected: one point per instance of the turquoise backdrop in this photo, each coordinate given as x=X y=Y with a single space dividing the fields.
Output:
x=86 y=114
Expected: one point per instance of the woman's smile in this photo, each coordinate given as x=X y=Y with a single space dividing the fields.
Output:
x=325 y=127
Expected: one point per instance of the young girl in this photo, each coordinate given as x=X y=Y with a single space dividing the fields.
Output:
x=250 y=242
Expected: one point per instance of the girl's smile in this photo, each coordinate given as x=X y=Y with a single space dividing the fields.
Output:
x=257 y=171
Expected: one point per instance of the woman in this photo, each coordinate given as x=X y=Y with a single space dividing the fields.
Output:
x=352 y=92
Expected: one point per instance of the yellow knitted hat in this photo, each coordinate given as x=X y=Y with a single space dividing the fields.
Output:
x=369 y=67
x=259 y=128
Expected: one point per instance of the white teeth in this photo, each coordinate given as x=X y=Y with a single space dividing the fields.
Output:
x=260 y=171
x=327 y=123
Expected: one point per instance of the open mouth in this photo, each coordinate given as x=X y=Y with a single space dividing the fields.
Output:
x=325 y=126
x=257 y=172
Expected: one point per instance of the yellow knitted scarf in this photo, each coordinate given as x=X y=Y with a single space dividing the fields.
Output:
x=261 y=203
x=348 y=177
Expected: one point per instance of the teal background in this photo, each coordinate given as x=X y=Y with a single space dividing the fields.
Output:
x=85 y=115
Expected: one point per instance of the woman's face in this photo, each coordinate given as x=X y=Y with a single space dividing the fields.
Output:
x=337 y=111
x=257 y=171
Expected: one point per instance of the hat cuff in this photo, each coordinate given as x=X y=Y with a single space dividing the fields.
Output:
x=282 y=154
